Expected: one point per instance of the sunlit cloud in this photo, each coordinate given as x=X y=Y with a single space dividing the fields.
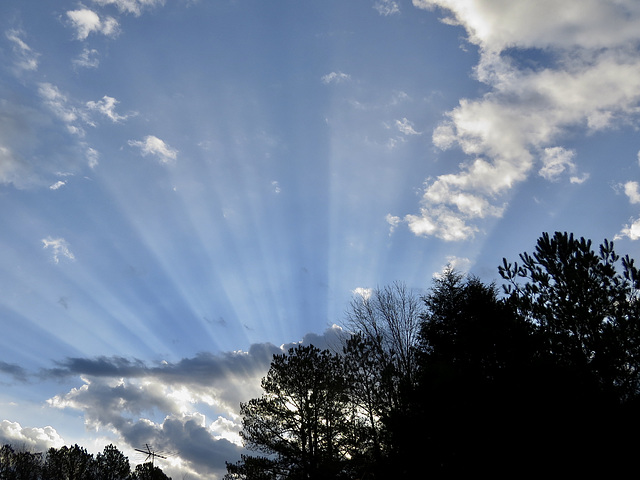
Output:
x=363 y=292
x=32 y=439
x=59 y=248
x=632 y=191
x=458 y=264
x=87 y=21
x=631 y=231
x=594 y=83
x=174 y=405
x=152 y=145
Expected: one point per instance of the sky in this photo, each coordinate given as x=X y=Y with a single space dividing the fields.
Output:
x=190 y=186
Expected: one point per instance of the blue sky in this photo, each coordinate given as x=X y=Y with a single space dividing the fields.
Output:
x=189 y=186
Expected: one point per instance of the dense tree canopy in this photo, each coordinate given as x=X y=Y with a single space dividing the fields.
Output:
x=72 y=463
x=545 y=378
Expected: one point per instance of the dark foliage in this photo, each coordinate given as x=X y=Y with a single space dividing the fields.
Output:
x=72 y=463
x=543 y=380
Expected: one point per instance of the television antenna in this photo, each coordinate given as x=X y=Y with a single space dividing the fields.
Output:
x=150 y=453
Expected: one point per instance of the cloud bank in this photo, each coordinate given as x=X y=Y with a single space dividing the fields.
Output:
x=588 y=77
x=189 y=407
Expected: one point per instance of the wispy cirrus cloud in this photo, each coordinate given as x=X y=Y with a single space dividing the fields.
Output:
x=386 y=7
x=335 y=77
x=62 y=107
x=26 y=58
x=134 y=7
x=106 y=106
x=590 y=80
x=152 y=145
x=59 y=248
x=88 y=58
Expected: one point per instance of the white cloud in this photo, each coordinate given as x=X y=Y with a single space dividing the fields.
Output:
x=30 y=438
x=406 y=127
x=59 y=247
x=632 y=190
x=499 y=24
x=57 y=185
x=393 y=222
x=459 y=264
x=26 y=58
x=87 y=21
x=363 y=292
x=107 y=106
x=335 y=77
x=152 y=145
x=556 y=160
x=386 y=7
x=61 y=106
x=276 y=186
x=88 y=58
x=92 y=156
x=592 y=81
x=9 y=166
x=631 y=231
x=130 y=6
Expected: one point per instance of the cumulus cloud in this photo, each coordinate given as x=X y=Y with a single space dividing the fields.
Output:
x=26 y=58
x=152 y=145
x=134 y=7
x=590 y=80
x=632 y=191
x=631 y=231
x=59 y=248
x=335 y=77
x=87 y=21
x=32 y=439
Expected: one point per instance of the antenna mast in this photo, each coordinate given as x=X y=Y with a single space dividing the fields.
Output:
x=150 y=453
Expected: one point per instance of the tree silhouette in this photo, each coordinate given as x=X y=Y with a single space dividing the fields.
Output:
x=301 y=422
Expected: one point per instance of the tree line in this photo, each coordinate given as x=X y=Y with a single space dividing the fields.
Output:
x=541 y=376
x=73 y=463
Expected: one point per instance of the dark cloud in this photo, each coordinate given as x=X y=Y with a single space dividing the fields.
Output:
x=15 y=371
x=167 y=405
